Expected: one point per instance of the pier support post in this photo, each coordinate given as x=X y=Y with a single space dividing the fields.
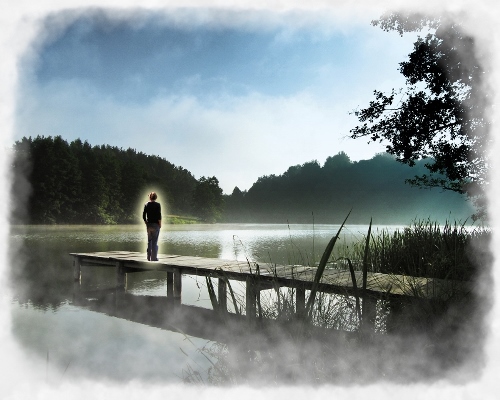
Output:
x=177 y=284
x=222 y=292
x=170 y=284
x=411 y=315
x=369 y=313
x=77 y=271
x=300 y=301
x=251 y=297
x=394 y=318
x=121 y=283
x=77 y=278
x=174 y=284
x=121 y=276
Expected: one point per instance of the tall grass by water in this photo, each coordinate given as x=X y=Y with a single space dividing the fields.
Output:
x=423 y=249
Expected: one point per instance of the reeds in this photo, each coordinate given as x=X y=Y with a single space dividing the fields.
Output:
x=423 y=249
x=321 y=267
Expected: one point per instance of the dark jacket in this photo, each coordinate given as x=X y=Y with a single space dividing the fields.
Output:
x=152 y=212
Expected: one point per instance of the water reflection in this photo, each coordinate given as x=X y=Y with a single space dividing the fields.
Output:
x=42 y=275
x=83 y=342
x=75 y=343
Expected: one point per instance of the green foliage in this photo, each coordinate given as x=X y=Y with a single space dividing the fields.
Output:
x=321 y=267
x=425 y=249
x=440 y=115
x=374 y=187
x=208 y=202
x=78 y=183
x=177 y=220
x=55 y=178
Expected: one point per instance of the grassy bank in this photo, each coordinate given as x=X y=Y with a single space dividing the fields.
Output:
x=181 y=220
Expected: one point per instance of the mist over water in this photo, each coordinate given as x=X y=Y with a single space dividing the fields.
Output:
x=99 y=340
x=41 y=308
x=48 y=263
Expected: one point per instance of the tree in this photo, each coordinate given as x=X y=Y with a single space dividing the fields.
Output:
x=208 y=200
x=93 y=196
x=340 y=160
x=57 y=182
x=439 y=116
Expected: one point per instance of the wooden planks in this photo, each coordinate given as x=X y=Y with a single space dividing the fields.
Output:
x=332 y=281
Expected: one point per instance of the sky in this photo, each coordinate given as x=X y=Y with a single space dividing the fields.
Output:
x=232 y=94
x=211 y=93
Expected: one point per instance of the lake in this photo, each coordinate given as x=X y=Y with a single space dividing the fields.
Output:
x=80 y=342
x=71 y=342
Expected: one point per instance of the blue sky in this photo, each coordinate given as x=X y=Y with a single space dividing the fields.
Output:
x=235 y=137
x=227 y=93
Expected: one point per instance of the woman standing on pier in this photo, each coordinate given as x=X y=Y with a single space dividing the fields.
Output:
x=152 y=218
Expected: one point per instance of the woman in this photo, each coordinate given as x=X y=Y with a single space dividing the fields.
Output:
x=152 y=218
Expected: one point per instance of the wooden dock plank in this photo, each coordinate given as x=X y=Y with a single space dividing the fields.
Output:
x=333 y=280
x=275 y=270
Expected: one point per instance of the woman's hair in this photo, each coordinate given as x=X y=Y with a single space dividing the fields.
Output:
x=152 y=196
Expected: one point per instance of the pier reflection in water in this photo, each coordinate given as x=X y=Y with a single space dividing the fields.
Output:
x=140 y=335
x=79 y=342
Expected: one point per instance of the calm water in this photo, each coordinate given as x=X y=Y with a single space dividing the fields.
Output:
x=72 y=341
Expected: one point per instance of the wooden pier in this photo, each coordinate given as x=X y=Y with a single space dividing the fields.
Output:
x=396 y=288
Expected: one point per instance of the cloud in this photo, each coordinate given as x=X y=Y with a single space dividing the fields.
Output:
x=18 y=29
x=284 y=102
x=237 y=139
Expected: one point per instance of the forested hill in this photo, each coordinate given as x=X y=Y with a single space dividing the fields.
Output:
x=75 y=182
x=371 y=188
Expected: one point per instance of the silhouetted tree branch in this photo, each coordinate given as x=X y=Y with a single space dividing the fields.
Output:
x=441 y=113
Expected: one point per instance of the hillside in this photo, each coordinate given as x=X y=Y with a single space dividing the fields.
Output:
x=371 y=188
x=56 y=182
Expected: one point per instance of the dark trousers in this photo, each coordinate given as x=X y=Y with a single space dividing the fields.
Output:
x=153 y=234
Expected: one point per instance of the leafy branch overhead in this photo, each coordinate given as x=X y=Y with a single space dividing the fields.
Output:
x=440 y=114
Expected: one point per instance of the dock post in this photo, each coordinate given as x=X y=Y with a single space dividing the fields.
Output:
x=300 y=301
x=222 y=292
x=394 y=318
x=77 y=278
x=170 y=284
x=177 y=283
x=368 y=314
x=77 y=270
x=121 y=276
x=251 y=296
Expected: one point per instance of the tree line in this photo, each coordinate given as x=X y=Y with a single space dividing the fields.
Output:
x=370 y=188
x=82 y=184
x=59 y=182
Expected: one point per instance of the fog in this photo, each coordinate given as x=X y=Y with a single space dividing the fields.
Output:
x=21 y=369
